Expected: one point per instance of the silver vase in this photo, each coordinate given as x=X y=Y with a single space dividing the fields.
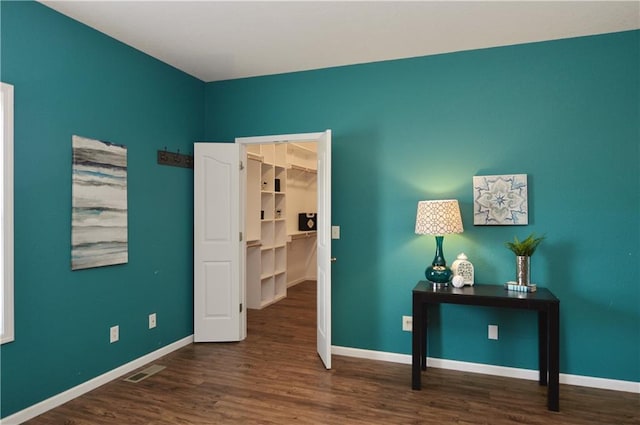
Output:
x=523 y=270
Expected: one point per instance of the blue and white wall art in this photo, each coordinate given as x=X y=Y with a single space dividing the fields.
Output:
x=500 y=200
x=99 y=204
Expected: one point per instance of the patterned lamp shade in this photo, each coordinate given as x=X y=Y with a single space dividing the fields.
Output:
x=438 y=217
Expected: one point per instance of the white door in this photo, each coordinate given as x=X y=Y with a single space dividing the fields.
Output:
x=323 y=141
x=219 y=266
x=324 y=249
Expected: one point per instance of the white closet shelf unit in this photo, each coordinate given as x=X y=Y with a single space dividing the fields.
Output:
x=266 y=212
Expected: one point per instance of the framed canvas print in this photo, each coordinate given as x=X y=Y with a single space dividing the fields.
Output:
x=500 y=200
x=99 y=204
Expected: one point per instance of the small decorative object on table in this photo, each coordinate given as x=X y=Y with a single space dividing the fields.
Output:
x=513 y=286
x=524 y=250
x=462 y=267
x=457 y=281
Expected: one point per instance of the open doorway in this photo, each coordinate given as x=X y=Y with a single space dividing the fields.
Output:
x=281 y=219
x=305 y=159
x=220 y=257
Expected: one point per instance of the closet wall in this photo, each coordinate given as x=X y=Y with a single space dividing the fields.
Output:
x=281 y=183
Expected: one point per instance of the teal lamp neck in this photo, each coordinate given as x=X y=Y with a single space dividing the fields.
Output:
x=439 y=260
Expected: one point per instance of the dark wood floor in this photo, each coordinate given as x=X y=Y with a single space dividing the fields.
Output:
x=275 y=377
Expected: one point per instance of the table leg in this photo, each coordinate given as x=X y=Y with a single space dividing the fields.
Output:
x=424 y=336
x=553 y=391
x=543 y=346
x=416 y=352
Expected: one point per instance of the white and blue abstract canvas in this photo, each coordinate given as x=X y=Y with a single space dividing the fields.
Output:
x=99 y=204
x=500 y=200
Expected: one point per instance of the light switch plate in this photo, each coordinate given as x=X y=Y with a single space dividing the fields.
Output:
x=335 y=232
x=114 y=334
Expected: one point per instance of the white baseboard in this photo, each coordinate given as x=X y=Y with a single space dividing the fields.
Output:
x=58 y=399
x=295 y=282
x=302 y=279
x=510 y=372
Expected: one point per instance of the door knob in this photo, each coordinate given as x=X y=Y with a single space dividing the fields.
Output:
x=333 y=259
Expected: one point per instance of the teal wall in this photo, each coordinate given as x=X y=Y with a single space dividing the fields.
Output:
x=566 y=113
x=70 y=79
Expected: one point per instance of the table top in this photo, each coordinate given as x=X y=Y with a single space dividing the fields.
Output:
x=464 y=295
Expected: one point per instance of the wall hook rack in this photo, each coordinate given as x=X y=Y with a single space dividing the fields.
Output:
x=175 y=159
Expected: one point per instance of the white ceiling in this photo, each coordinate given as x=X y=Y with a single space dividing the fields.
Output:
x=220 y=40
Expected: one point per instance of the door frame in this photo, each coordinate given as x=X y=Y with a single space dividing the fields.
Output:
x=326 y=301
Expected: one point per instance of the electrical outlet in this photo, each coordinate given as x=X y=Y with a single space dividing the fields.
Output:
x=114 y=334
x=493 y=331
x=152 y=320
x=407 y=323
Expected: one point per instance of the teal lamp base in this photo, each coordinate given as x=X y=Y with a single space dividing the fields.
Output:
x=439 y=276
x=438 y=273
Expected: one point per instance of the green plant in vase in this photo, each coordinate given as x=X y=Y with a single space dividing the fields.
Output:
x=524 y=249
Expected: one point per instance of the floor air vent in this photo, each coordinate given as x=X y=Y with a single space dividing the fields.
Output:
x=144 y=373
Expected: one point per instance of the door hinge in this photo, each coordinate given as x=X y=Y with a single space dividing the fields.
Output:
x=240 y=307
x=240 y=236
x=241 y=166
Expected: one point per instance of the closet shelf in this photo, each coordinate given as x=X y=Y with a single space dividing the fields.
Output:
x=271 y=163
x=255 y=156
x=301 y=235
x=267 y=248
x=293 y=146
x=251 y=244
x=303 y=169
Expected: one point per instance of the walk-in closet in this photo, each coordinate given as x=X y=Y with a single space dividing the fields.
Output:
x=281 y=219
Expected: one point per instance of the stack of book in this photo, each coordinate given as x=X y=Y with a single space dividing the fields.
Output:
x=513 y=286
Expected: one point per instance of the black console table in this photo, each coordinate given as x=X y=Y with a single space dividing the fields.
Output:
x=543 y=301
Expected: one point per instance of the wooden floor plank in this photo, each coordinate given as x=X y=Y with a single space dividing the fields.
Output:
x=276 y=377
